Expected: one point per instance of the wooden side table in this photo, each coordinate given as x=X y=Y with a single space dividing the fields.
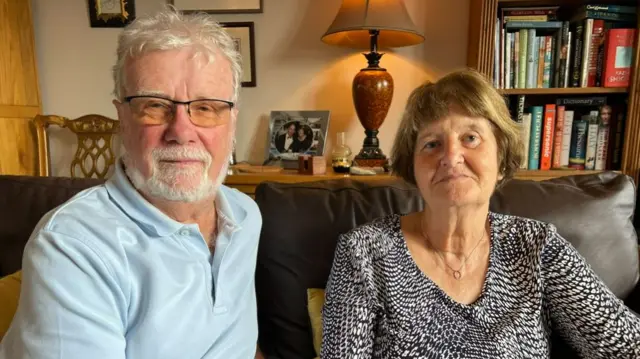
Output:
x=247 y=182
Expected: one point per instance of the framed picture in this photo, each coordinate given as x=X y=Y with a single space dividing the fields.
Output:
x=219 y=6
x=242 y=34
x=111 y=13
x=295 y=133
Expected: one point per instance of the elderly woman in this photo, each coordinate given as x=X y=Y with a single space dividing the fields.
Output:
x=456 y=280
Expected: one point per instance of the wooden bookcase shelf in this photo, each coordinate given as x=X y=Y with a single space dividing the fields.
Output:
x=566 y=91
x=539 y=175
x=481 y=52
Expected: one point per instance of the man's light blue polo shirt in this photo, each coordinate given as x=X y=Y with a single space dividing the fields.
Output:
x=107 y=275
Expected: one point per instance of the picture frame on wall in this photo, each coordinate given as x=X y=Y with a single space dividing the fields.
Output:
x=243 y=36
x=295 y=133
x=219 y=6
x=111 y=13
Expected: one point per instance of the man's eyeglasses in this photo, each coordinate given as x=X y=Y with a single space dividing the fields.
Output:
x=153 y=110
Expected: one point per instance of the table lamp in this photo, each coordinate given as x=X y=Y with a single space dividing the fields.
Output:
x=372 y=24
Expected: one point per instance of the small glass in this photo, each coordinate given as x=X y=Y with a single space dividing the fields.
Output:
x=341 y=155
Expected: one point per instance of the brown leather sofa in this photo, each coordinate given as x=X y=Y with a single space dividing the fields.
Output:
x=301 y=223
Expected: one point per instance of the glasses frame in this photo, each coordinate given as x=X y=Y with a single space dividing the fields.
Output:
x=176 y=103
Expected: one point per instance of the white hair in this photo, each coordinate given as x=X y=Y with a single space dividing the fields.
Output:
x=169 y=30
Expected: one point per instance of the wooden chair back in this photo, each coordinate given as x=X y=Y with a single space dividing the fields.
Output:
x=94 y=155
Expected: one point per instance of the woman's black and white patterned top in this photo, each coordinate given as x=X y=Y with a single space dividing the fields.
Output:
x=379 y=304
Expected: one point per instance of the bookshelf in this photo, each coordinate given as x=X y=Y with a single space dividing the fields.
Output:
x=566 y=91
x=481 y=55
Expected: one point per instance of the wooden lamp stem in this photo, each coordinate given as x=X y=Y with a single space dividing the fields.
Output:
x=372 y=93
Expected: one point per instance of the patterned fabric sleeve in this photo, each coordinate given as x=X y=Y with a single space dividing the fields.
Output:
x=348 y=313
x=582 y=308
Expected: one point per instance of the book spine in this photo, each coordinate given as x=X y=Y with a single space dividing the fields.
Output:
x=561 y=39
x=600 y=62
x=578 y=144
x=526 y=135
x=602 y=146
x=532 y=55
x=547 y=136
x=604 y=15
x=577 y=55
x=535 y=137
x=557 y=140
x=516 y=60
x=496 y=54
x=549 y=50
x=526 y=18
x=567 y=63
x=618 y=141
x=522 y=61
x=520 y=109
x=508 y=47
x=503 y=56
x=528 y=11
x=584 y=70
x=566 y=138
x=597 y=33
x=541 y=61
x=592 y=141
x=533 y=25
x=613 y=8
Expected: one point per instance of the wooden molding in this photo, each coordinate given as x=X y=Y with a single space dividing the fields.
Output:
x=482 y=14
x=631 y=150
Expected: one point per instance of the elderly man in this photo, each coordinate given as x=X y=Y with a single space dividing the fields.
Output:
x=159 y=262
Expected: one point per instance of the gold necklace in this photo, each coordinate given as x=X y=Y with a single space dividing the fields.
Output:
x=456 y=273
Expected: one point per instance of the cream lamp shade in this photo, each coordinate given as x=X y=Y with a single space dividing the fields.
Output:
x=356 y=18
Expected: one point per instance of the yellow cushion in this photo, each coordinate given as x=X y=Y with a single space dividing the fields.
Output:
x=9 y=295
x=315 y=301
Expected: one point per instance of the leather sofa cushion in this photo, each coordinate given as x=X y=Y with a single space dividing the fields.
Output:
x=9 y=297
x=23 y=202
x=301 y=224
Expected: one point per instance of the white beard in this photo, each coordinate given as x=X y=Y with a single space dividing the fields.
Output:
x=161 y=184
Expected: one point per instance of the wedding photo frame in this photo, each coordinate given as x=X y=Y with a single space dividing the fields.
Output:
x=219 y=6
x=243 y=36
x=295 y=133
x=111 y=13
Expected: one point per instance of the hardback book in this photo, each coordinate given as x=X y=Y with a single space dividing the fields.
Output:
x=618 y=55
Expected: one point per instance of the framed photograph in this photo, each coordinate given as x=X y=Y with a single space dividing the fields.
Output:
x=111 y=13
x=219 y=6
x=243 y=36
x=295 y=133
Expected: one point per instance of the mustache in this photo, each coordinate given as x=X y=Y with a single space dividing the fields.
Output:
x=180 y=153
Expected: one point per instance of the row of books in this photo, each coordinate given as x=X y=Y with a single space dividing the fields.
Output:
x=583 y=133
x=535 y=49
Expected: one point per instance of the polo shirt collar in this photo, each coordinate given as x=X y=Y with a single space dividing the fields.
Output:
x=149 y=217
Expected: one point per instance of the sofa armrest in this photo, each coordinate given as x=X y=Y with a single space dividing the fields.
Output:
x=633 y=299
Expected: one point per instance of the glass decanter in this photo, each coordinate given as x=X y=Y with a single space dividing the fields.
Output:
x=341 y=155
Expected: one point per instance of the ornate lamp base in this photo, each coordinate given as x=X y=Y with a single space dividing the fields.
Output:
x=371 y=154
x=372 y=93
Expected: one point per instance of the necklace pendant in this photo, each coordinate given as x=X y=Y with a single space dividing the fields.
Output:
x=456 y=274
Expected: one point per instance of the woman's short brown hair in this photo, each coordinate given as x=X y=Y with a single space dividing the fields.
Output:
x=471 y=93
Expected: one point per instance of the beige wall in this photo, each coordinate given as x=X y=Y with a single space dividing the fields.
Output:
x=295 y=70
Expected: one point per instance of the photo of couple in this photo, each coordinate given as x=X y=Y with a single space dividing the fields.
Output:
x=293 y=133
x=296 y=139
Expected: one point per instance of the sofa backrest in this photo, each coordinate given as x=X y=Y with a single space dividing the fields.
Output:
x=301 y=223
x=23 y=201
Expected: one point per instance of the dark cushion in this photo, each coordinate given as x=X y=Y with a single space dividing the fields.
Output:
x=23 y=202
x=301 y=223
